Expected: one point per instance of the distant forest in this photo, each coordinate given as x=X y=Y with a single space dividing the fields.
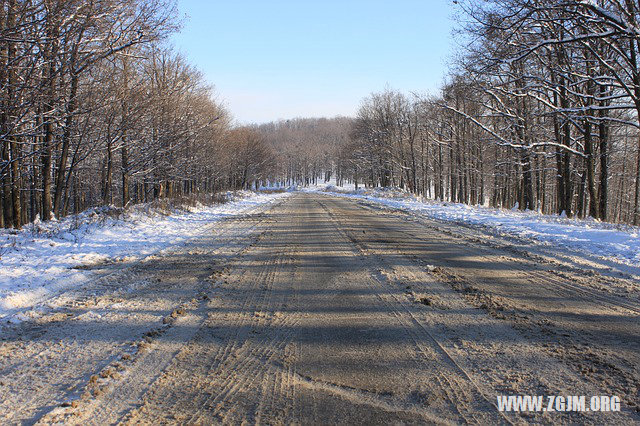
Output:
x=541 y=110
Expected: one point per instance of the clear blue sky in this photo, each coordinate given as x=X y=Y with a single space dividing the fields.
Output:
x=273 y=59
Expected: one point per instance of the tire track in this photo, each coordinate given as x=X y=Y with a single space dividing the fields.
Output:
x=418 y=224
x=229 y=238
x=411 y=325
x=411 y=259
x=254 y=337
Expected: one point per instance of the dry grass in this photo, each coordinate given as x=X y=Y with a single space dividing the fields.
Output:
x=272 y=191
x=167 y=206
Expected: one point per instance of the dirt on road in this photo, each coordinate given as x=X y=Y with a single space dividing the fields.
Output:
x=326 y=310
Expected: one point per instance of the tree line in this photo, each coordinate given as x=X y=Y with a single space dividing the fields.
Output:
x=541 y=111
x=95 y=108
x=306 y=150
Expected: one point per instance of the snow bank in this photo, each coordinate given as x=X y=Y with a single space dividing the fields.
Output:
x=613 y=241
x=46 y=258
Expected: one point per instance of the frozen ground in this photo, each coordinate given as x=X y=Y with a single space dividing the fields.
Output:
x=317 y=309
x=44 y=259
x=48 y=258
x=618 y=243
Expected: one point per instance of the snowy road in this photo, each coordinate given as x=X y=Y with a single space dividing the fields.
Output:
x=320 y=309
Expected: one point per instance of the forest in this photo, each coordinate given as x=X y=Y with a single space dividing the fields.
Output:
x=540 y=111
x=98 y=110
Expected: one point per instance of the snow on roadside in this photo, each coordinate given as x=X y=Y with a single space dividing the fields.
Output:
x=613 y=241
x=43 y=259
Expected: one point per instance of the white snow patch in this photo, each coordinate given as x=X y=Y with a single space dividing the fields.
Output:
x=46 y=258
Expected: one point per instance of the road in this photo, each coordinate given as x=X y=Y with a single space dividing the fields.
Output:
x=326 y=310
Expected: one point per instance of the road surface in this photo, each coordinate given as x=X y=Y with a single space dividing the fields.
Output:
x=326 y=310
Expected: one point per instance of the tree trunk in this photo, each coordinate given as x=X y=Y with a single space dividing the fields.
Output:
x=16 y=197
x=125 y=173
x=590 y=166
x=66 y=143
x=527 y=182
x=603 y=136
x=636 y=209
x=108 y=175
x=7 y=208
x=49 y=121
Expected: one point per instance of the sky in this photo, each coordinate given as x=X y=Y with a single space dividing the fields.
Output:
x=279 y=59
